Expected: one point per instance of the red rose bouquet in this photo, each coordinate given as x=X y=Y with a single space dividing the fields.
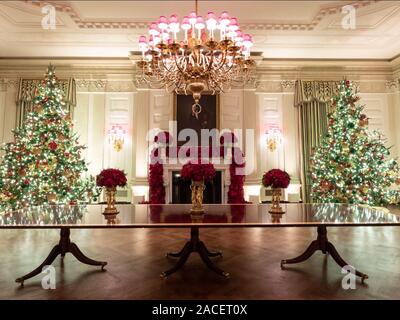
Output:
x=276 y=178
x=111 y=178
x=198 y=171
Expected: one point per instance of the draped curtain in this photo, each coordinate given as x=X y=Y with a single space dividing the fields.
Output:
x=312 y=100
x=26 y=95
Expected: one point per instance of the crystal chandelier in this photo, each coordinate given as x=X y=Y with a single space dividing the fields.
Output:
x=185 y=58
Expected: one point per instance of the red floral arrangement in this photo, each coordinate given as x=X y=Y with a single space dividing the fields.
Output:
x=198 y=171
x=276 y=178
x=111 y=178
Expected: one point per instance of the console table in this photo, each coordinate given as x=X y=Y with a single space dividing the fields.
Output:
x=319 y=216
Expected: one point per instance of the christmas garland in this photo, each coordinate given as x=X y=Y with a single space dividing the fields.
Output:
x=156 y=168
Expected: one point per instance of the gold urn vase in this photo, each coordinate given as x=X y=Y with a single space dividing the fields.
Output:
x=276 y=198
x=197 y=188
x=111 y=210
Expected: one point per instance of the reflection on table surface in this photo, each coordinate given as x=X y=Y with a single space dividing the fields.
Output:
x=179 y=215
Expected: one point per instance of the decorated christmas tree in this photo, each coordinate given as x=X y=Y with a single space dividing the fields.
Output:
x=43 y=164
x=351 y=165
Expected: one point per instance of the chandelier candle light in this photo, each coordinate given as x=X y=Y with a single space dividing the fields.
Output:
x=183 y=57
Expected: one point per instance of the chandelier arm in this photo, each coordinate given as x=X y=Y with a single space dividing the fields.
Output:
x=165 y=67
x=176 y=63
x=211 y=61
x=223 y=62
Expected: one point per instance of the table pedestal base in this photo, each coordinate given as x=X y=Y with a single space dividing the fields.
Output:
x=326 y=247
x=194 y=245
x=64 y=246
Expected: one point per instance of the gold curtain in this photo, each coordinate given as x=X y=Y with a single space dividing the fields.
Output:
x=26 y=95
x=312 y=100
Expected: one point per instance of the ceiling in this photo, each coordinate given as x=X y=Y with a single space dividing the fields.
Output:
x=281 y=29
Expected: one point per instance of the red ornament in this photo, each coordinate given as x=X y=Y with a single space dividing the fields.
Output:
x=26 y=182
x=53 y=145
x=347 y=82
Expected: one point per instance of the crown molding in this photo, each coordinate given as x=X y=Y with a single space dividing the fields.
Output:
x=112 y=24
x=118 y=74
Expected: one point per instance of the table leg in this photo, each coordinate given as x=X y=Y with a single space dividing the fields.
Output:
x=64 y=246
x=194 y=245
x=326 y=247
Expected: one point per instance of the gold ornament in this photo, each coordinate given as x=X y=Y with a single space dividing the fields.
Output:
x=67 y=173
x=4 y=197
x=364 y=190
x=38 y=108
x=197 y=188
x=22 y=172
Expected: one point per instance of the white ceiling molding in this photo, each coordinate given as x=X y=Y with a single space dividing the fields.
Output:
x=108 y=24
x=281 y=30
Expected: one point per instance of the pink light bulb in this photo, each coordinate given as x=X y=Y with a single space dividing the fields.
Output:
x=185 y=23
x=200 y=23
x=224 y=18
x=192 y=18
x=153 y=30
x=142 y=39
x=173 y=18
x=173 y=23
x=211 y=19
x=233 y=26
x=142 y=43
x=247 y=40
x=162 y=23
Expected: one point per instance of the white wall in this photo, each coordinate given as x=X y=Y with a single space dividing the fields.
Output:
x=93 y=116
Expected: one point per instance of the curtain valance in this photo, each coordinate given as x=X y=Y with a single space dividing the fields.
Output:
x=26 y=94
x=320 y=91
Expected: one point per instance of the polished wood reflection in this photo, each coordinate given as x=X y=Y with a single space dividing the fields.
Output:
x=252 y=256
